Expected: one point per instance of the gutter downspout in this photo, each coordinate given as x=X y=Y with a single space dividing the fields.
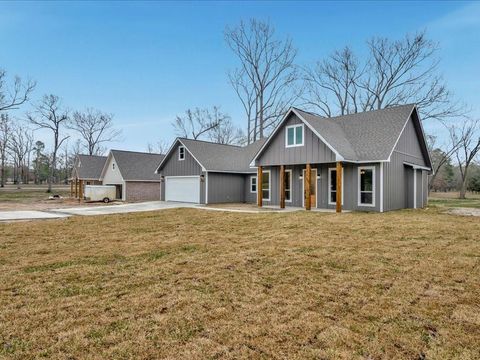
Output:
x=206 y=187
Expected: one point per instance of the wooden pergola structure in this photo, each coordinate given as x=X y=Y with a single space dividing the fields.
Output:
x=76 y=188
x=306 y=179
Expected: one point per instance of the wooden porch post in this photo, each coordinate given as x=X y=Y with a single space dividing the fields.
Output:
x=76 y=188
x=339 y=187
x=80 y=191
x=282 y=186
x=308 y=202
x=71 y=188
x=259 y=187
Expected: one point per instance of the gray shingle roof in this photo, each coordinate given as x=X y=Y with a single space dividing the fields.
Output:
x=137 y=165
x=363 y=136
x=223 y=158
x=89 y=166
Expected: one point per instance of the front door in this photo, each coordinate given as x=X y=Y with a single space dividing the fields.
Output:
x=313 y=188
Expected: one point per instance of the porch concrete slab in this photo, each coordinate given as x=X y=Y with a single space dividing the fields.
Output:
x=124 y=208
x=252 y=210
x=29 y=215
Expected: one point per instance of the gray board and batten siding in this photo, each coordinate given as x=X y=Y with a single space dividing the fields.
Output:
x=314 y=151
x=223 y=187
x=394 y=167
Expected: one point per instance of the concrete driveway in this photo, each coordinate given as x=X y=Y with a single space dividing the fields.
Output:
x=124 y=208
x=90 y=211
x=28 y=215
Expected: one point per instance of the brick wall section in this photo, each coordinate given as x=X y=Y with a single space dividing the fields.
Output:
x=142 y=191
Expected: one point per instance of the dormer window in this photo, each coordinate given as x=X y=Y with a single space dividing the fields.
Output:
x=181 y=153
x=294 y=135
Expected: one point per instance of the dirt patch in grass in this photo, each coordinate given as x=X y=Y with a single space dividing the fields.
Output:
x=36 y=198
x=193 y=284
x=465 y=211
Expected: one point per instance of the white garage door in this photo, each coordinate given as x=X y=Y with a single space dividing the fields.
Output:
x=182 y=188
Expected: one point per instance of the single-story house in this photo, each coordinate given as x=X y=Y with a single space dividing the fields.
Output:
x=203 y=172
x=87 y=170
x=133 y=174
x=371 y=161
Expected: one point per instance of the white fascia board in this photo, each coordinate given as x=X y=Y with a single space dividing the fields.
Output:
x=199 y=163
x=401 y=132
x=143 y=180
x=415 y=167
x=231 y=172
x=110 y=156
x=414 y=109
x=171 y=149
x=167 y=154
x=337 y=154
x=272 y=135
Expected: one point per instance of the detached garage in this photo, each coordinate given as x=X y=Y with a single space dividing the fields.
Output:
x=182 y=188
x=133 y=174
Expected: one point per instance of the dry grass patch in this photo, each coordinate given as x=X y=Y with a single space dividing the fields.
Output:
x=187 y=283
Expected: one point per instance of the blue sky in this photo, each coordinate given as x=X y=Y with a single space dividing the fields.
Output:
x=145 y=62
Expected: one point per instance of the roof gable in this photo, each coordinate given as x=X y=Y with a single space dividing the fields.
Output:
x=135 y=166
x=172 y=151
x=216 y=157
x=89 y=166
x=300 y=115
x=362 y=137
x=414 y=147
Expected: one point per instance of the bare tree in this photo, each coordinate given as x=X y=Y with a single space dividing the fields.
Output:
x=160 y=147
x=5 y=135
x=50 y=115
x=468 y=135
x=199 y=122
x=394 y=73
x=95 y=128
x=228 y=133
x=443 y=153
x=246 y=93
x=21 y=144
x=263 y=82
x=331 y=85
x=11 y=97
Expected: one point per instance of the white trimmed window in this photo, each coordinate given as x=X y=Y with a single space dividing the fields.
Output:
x=366 y=186
x=294 y=135
x=288 y=185
x=266 y=185
x=181 y=153
x=332 y=186
x=253 y=184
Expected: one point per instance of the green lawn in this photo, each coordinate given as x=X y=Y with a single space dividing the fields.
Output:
x=451 y=200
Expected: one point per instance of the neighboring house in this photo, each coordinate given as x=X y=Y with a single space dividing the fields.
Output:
x=133 y=174
x=203 y=172
x=87 y=170
x=371 y=161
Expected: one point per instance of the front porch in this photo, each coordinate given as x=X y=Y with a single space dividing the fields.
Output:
x=310 y=186
x=253 y=208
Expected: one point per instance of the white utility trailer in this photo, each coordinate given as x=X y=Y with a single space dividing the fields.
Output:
x=105 y=193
